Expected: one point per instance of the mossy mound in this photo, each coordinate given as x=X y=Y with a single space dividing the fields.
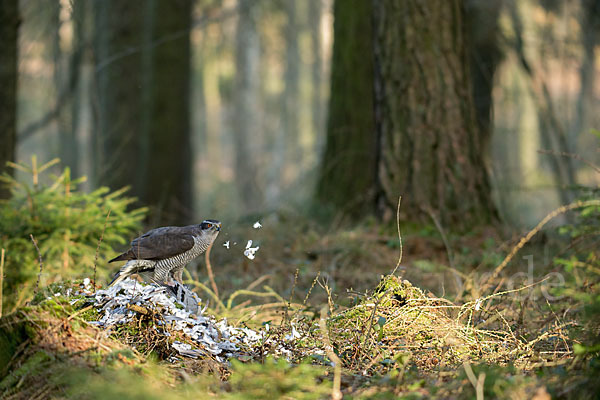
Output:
x=50 y=349
x=40 y=344
x=399 y=320
x=50 y=341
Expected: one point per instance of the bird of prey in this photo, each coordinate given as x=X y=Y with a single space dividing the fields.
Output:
x=162 y=253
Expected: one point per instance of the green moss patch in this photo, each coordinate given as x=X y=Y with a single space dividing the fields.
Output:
x=399 y=318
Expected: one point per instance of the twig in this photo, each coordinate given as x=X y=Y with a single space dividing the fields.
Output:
x=37 y=283
x=258 y=281
x=327 y=289
x=211 y=276
x=247 y=292
x=286 y=316
x=531 y=233
x=468 y=306
x=399 y=235
x=98 y=249
x=570 y=155
x=336 y=393
x=314 y=282
x=1 y=279
x=373 y=317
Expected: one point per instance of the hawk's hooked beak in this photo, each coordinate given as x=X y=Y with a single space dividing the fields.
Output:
x=218 y=226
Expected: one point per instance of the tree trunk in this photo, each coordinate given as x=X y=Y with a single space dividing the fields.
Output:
x=484 y=55
x=82 y=104
x=291 y=93
x=167 y=177
x=405 y=124
x=66 y=79
x=287 y=151
x=118 y=138
x=431 y=148
x=590 y=29
x=245 y=119
x=9 y=32
x=142 y=73
x=348 y=169
x=552 y=133
x=315 y=12
x=79 y=59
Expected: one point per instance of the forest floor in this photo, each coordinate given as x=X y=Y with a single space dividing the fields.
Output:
x=336 y=315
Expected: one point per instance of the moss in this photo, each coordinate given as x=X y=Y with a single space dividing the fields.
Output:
x=31 y=331
x=398 y=317
x=51 y=290
x=90 y=314
x=59 y=306
x=278 y=379
x=126 y=330
x=392 y=291
x=33 y=366
x=12 y=334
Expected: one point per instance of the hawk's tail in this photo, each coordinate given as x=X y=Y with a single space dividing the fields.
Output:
x=121 y=257
x=127 y=270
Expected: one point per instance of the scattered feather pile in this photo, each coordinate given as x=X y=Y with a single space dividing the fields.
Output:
x=119 y=304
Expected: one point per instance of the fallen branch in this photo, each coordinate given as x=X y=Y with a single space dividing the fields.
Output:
x=531 y=233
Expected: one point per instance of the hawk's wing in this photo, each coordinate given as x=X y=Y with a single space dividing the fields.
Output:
x=159 y=243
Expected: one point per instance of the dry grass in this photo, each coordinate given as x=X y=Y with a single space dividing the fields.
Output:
x=387 y=334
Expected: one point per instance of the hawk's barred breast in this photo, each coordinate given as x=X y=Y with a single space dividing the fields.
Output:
x=162 y=253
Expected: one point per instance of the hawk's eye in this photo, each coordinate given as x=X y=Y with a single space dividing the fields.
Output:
x=209 y=225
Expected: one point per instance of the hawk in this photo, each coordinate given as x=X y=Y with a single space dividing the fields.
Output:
x=163 y=252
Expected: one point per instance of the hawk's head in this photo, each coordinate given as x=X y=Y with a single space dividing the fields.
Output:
x=210 y=224
x=209 y=229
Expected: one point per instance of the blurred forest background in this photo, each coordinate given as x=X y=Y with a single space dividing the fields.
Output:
x=224 y=108
x=313 y=117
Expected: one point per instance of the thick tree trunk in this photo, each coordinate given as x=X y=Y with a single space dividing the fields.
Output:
x=484 y=55
x=245 y=119
x=348 y=168
x=431 y=147
x=167 y=177
x=9 y=32
x=142 y=74
x=118 y=138
x=80 y=58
